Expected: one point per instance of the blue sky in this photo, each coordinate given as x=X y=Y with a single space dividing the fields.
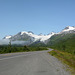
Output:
x=38 y=16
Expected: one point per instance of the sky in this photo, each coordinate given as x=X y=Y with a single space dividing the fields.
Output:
x=38 y=16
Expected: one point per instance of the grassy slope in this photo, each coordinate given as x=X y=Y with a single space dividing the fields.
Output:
x=60 y=37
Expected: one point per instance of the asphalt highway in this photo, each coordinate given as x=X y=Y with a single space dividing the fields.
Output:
x=31 y=63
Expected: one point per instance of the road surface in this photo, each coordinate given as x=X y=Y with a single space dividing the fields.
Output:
x=30 y=63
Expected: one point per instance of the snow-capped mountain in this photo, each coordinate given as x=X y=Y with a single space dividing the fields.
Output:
x=63 y=37
x=8 y=37
x=29 y=37
x=68 y=29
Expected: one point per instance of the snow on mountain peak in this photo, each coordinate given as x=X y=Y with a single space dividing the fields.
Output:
x=38 y=37
x=22 y=32
x=33 y=37
x=52 y=33
x=45 y=37
x=68 y=28
x=40 y=34
x=29 y=32
x=8 y=37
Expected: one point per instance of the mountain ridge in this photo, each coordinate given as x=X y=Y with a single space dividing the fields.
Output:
x=31 y=37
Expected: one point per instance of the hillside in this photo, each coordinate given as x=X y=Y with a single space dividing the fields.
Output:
x=64 y=42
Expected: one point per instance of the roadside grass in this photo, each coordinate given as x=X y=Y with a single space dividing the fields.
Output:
x=66 y=58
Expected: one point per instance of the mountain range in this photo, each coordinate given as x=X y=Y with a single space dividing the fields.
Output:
x=29 y=38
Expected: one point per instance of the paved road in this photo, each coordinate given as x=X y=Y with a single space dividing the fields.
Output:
x=30 y=63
